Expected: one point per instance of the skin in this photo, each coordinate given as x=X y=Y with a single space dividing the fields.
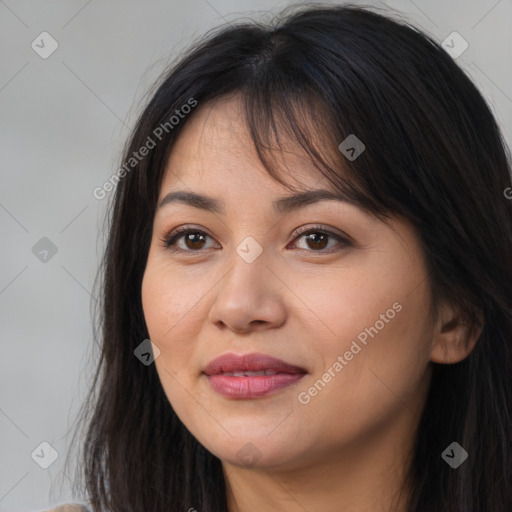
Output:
x=347 y=448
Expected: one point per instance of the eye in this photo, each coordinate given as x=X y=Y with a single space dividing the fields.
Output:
x=316 y=238
x=192 y=238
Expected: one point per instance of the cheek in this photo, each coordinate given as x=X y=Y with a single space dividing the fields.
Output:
x=168 y=301
x=171 y=310
x=377 y=323
x=171 y=314
x=382 y=308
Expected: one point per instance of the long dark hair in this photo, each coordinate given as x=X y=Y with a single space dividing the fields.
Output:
x=434 y=155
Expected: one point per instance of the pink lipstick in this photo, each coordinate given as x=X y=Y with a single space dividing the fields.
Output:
x=250 y=375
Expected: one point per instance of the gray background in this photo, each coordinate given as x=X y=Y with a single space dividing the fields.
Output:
x=63 y=121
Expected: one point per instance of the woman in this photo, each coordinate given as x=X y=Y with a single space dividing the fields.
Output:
x=311 y=228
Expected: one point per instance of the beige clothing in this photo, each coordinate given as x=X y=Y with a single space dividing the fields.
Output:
x=69 y=507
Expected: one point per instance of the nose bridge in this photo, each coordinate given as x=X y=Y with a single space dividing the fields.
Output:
x=248 y=266
x=247 y=294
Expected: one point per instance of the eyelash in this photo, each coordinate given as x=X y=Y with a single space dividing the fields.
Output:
x=170 y=239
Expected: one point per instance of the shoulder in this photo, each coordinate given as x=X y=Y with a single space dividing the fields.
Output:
x=69 y=507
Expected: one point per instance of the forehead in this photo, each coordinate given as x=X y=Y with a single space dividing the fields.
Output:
x=215 y=149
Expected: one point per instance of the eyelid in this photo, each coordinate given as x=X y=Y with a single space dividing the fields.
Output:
x=325 y=229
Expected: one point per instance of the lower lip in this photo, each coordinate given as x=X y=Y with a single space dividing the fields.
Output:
x=251 y=387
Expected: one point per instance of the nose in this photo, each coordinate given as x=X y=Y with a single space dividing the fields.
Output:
x=248 y=298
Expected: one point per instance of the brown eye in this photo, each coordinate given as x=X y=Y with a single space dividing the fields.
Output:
x=316 y=240
x=193 y=240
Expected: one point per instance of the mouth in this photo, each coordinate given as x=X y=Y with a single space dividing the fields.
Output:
x=247 y=373
x=250 y=365
x=250 y=375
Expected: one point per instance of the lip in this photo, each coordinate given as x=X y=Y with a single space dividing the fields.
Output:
x=249 y=362
x=243 y=387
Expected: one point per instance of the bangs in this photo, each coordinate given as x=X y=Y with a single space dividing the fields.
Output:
x=281 y=116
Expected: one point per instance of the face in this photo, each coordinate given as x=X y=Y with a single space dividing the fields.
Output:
x=347 y=302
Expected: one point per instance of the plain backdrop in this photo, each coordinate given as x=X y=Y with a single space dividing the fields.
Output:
x=63 y=120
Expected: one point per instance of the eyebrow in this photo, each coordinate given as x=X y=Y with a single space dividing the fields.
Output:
x=282 y=205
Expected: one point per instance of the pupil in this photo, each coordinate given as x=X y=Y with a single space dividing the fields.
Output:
x=313 y=238
x=190 y=237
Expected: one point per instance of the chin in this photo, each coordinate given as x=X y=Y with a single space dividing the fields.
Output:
x=251 y=451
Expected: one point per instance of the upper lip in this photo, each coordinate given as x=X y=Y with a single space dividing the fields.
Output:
x=249 y=362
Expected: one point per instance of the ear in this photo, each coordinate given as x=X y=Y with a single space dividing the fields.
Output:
x=455 y=335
